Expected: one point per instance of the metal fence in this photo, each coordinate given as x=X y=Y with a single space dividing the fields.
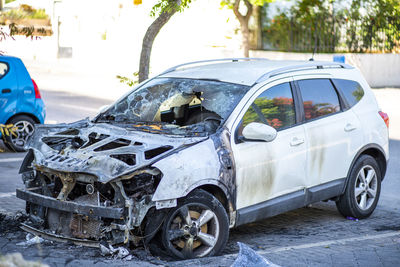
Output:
x=332 y=35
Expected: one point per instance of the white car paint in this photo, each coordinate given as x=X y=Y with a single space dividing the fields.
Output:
x=183 y=171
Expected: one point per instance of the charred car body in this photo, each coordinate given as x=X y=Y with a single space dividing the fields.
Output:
x=199 y=149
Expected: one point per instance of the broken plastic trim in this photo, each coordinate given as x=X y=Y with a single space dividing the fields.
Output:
x=90 y=210
x=58 y=238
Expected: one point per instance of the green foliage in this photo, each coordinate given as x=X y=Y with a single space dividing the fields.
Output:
x=129 y=81
x=38 y=14
x=9 y=1
x=378 y=29
x=366 y=26
x=306 y=23
x=169 y=5
x=230 y=3
x=24 y=12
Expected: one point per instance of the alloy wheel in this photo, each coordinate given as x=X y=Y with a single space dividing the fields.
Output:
x=193 y=231
x=366 y=187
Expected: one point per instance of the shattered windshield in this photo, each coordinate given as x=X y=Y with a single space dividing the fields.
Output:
x=180 y=102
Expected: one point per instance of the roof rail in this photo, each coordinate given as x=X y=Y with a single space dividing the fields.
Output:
x=308 y=65
x=207 y=61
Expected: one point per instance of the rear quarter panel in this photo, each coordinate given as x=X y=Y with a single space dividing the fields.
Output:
x=373 y=126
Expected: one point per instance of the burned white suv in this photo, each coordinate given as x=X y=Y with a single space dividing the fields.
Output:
x=204 y=147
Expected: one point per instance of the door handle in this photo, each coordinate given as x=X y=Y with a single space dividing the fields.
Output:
x=296 y=141
x=349 y=127
x=6 y=91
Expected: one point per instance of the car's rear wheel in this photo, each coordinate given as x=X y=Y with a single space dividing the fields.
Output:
x=25 y=127
x=362 y=190
x=197 y=227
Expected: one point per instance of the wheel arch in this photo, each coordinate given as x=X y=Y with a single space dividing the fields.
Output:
x=375 y=151
x=30 y=115
x=219 y=191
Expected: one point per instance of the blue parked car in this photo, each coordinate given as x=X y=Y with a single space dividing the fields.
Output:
x=20 y=101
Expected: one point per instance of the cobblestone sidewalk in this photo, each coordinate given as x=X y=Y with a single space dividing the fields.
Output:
x=314 y=236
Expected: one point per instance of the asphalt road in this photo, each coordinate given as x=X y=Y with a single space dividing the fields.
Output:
x=313 y=236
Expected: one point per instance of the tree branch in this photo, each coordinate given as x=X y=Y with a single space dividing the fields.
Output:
x=149 y=38
x=236 y=11
x=249 y=9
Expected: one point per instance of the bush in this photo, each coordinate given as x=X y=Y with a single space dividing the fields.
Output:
x=24 y=12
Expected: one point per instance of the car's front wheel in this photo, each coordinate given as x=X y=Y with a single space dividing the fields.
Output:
x=362 y=190
x=25 y=127
x=197 y=227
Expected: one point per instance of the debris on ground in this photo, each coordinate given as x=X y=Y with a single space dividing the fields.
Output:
x=16 y=260
x=31 y=240
x=116 y=253
x=351 y=218
x=249 y=257
x=10 y=222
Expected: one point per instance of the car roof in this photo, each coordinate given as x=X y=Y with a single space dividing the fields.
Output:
x=7 y=57
x=243 y=71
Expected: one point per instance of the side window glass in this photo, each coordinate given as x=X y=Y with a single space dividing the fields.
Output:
x=3 y=69
x=274 y=107
x=351 y=90
x=319 y=98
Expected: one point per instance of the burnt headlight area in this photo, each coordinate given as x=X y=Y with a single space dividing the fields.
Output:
x=141 y=185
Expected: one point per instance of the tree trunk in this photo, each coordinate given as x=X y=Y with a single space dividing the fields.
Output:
x=244 y=24
x=258 y=25
x=245 y=39
x=148 y=41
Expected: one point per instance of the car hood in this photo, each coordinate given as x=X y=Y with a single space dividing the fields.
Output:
x=104 y=150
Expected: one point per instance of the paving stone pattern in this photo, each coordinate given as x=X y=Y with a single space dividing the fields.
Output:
x=279 y=239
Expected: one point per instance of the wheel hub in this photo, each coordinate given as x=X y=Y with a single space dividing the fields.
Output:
x=194 y=230
x=365 y=187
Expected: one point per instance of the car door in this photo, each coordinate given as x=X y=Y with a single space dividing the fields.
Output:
x=333 y=134
x=265 y=170
x=8 y=91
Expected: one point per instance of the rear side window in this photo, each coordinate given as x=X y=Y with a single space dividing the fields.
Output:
x=319 y=98
x=273 y=107
x=3 y=69
x=352 y=91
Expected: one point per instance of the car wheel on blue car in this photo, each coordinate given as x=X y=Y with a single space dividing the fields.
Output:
x=25 y=127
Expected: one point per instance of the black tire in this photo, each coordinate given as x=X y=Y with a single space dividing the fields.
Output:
x=26 y=127
x=184 y=241
x=358 y=200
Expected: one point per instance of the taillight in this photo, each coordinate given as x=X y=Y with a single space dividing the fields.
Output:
x=385 y=118
x=37 y=92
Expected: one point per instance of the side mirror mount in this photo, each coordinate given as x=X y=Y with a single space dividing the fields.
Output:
x=259 y=131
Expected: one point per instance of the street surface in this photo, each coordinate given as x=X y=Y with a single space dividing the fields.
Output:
x=314 y=236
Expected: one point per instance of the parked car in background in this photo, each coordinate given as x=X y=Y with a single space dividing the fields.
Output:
x=20 y=102
x=207 y=146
